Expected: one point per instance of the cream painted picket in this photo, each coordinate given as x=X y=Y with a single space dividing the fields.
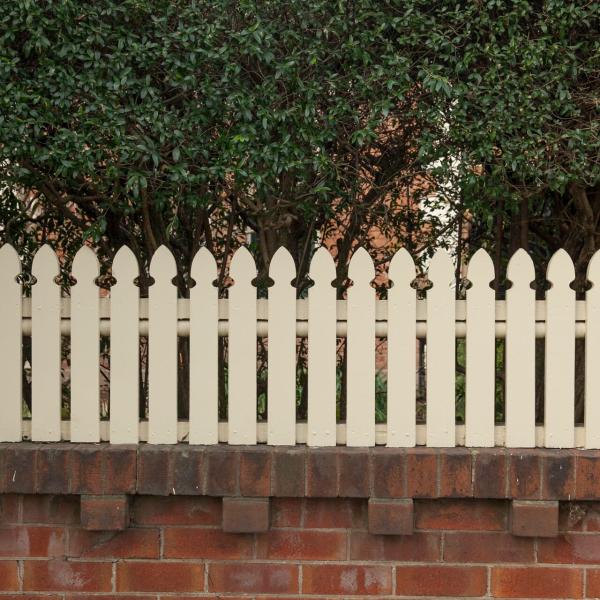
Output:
x=84 y=315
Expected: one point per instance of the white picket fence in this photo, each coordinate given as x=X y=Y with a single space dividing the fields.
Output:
x=402 y=318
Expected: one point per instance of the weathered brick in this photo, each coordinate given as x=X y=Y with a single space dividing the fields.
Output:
x=255 y=472
x=354 y=473
x=163 y=576
x=413 y=548
x=177 y=510
x=348 y=579
x=389 y=473
x=67 y=576
x=322 y=473
x=486 y=547
x=104 y=513
x=20 y=468
x=215 y=544
x=120 y=469
x=421 y=473
x=188 y=470
x=251 y=578
x=456 y=473
x=288 y=474
x=489 y=473
x=437 y=580
x=534 y=518
x=524 y=475
x=304 y=544
x=155 y=475
x=222 y=471
x=87 y=469
x=131 y=543
x=51 y=509
x=333 y=513
x=21 y=541
x=8 y=576
x=10 y=508
x=245 y=515
x=558 y=475
x=593 y=583
x=391 y=516
x=588 y=475
x=572 y=548
x=53 y=469
x=536 y=582
x=286 y=512
x=454 y=514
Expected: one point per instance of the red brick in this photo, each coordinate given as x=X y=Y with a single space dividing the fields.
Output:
x=411 y=548
x=8 y=575
x=588 y=475
x=466 y=515
x=456 y=473
x=50 y=509
x=593 y=583
x=390 y=516
x=322 y=473
x=53 y=469
x=303 y=544
x=104 y=513
x=251 y=578
x=131 y=543
x=354 y=473
x=120 y=469
x=524 y=474
x=573 y=548
x=31 y=540
x=181 y=510
x=532 y=518
x=333 y=513
x=20 y=468
x=245 y=515
x=110 y=597
x=434 y=580
x=10 y=505
x=536 y=582
x=160 y=577
x=487 y=547
x=421 y=473
x=286 y=512
x=347 y=579
x=67 y=576
x=255 y=472
x=42 y=597
x=188 y=470
x=87 y=469
x=222 y=471
x=188 y=542
x=489 y=473
x=288 y=475
x=389 y=473
x=558 y=475
x=155 y=470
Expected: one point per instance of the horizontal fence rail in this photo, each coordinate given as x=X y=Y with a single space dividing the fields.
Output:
x=78 y=323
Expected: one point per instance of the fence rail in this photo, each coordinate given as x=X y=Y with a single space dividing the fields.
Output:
x=84 y=317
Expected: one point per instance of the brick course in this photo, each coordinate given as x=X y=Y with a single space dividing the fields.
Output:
x=318 y=544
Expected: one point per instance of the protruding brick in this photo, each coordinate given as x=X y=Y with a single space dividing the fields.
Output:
x=255 y=472
x=354 y=473
x=489 y=473
x=524 y=475
x=222 y=469
x=389 y=473
x=155 y=470
x=421 y=473
x=534 y=518
x=456 y=473
x=322 y=473
x=104 y=513
x=391 y=516
x=558 y=475
x=288 y=474
x=245 y=515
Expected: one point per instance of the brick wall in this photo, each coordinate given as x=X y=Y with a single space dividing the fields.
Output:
x=427 y=524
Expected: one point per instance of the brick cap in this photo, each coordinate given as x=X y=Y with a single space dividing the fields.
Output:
x=534 y=518
x=246 y=515
x=391 y=516
x=104 y=513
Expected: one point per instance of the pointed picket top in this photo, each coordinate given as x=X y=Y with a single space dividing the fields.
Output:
x=282 y=267
x=243 y=267
x=480 y=270
x=163 y=263
x=10 y=264
x=441 y=268
x=125 y=267
x=45 y=263
x=85 y=265
x=561 y=270
x=402 y=268
x=361 y=269
x=520 y=270
x=322 y=267
x=204 y=267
